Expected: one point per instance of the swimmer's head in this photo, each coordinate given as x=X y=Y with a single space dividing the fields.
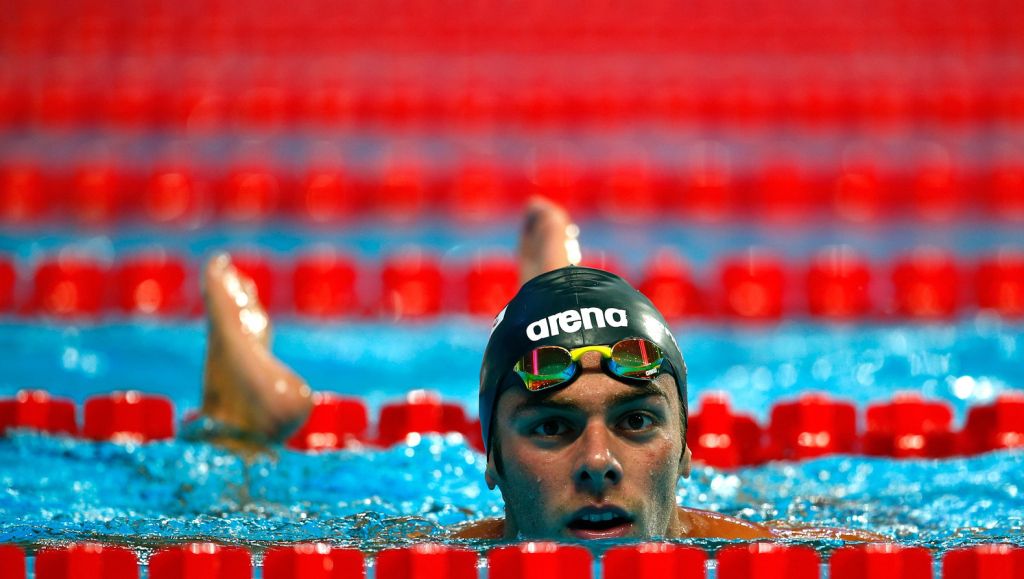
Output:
x=570 y=307
x=606 y=433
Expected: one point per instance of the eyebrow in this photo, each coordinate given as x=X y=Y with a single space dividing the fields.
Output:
x=636 y=394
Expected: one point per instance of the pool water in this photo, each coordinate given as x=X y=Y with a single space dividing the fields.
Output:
x=61 y=489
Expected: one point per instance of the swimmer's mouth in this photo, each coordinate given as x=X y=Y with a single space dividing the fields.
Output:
x=600 y=523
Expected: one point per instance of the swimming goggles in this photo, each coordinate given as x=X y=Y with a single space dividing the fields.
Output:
x=549 y=366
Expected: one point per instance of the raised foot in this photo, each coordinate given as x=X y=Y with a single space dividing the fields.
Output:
x=548 y=239
x=245 y=387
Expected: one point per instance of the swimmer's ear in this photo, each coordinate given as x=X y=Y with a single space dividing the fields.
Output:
x=684 y=462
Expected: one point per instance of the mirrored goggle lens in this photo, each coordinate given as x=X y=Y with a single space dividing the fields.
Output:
x=545 y=367
x=636 y=358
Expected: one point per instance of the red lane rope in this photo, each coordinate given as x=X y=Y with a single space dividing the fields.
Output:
x=813 y=425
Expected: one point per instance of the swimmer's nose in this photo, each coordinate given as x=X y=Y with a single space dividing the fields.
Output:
x=597 y=467
x=590 y=361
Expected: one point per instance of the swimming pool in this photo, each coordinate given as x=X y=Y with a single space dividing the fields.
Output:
x=59 y=489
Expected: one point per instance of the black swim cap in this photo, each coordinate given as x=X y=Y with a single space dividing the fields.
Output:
x=570 y=307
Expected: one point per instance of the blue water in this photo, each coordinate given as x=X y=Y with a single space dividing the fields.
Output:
x=57 y=489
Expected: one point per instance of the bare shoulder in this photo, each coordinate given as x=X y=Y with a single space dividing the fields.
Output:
x=787 y=530
x=701 y=524
x=698 y=523
x=492 y=528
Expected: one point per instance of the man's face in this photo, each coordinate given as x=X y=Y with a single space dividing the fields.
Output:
x=596 y=459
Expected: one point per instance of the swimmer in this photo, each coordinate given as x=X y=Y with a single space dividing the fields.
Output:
x=582 y=400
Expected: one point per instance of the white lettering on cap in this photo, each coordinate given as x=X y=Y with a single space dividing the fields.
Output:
x=538 y=330
x=592 y=316
x=569 y=321
x=572 y=321
x=616 y=318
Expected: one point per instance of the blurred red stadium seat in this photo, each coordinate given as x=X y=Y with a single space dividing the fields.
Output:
x=708 y=188
x=999 y=282
x=248 y=195
x=154 y=283
x=69 y=286
x=324 y=284
x=325 y=196
x=752 y=286
x=1005 y=191
x=838 y=284
x=632 y=190
x=490 y=282
x=413 y=285
x=24 y=195
x=860 y=194
x=172 y=197
x=668 y=283
x=936 y=188
x=784 y=190
x=96 y=197
x=558 y=176
x=926 y=284
x=403 y=190
x=479 y=191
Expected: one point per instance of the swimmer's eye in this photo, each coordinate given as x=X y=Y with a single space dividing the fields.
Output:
x=637 y=421
x=550 y=428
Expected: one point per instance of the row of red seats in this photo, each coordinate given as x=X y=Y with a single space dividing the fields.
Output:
x=837 y=284
x=216 y=38
x=404 y=188
x=946 y=16
x=532 y=25
x=563 y=74
x=810 y=426
x=533 y=560
x=155 y=101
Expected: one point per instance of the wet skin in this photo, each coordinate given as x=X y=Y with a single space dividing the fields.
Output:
x=595 y=449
